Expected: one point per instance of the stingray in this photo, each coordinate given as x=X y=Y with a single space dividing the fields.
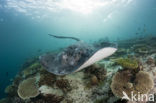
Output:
x=74 y=57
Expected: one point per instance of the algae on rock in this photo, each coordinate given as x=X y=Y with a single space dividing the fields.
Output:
x=127 y=63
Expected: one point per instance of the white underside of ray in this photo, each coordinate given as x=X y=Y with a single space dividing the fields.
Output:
x=99 y=55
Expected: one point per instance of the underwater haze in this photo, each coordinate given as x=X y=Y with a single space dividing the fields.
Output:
x=25 y=25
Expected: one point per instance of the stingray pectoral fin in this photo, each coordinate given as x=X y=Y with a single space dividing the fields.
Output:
x=97 y=56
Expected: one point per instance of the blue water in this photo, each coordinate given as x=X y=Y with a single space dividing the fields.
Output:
x=23 y=34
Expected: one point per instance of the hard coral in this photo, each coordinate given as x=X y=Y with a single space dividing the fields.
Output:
x=4 y=100
x=44 y=90
x=63 y=84
x=143 y=82
x=49 y=98
x=127 y=63
x=126 y=81
x=47 y=78
x=17 y=80
x=97 y=70
x=119 y=83
x=150 y=61
x=11 y=90
x=94 y=80
x=28 y=89
x=29 y=62
x=31 y=69
x=142 y=50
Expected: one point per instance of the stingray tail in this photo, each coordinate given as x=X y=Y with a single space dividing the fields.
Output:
x=64 y=37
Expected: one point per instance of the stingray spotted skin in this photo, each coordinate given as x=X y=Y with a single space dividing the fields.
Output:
x=74 y=58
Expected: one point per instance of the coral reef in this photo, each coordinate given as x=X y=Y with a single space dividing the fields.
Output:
x=44 y=90
x=120 y=82
x=143 y=82
x=94 y=80
x=29 y=62
x=30 y=70
x=120 y=52
x=4 y=100
x=141 y=49
x=49 y=98
x=46 y=78
x=96 y=70
x=95 y=74
x=127 y=63
x=28 y=89
x=126 y=81
x=10 y=90
x=150 y=61
x=63 y=84
x=132 y=68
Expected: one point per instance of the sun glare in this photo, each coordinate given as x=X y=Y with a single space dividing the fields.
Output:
x=30 y=7
x=82 y=6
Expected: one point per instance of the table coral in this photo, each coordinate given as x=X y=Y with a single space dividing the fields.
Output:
x=143 y=82
x=140 y=82
x=28 y=89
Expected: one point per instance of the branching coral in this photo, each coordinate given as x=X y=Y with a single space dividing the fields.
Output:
x=126 y=81
x=28 y=89
x=127 y=63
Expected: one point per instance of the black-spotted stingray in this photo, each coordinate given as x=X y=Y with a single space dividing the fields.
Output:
x=75 y=57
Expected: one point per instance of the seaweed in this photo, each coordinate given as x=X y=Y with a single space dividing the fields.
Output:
x=128 y=63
